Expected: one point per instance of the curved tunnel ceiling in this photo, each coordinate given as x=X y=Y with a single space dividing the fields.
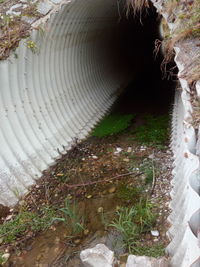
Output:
x=57 y=93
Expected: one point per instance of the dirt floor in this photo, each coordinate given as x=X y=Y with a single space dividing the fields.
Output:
x=93 y=173
x=95 y=176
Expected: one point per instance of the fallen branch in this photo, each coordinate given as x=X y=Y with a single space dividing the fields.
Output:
x=154 y=178
x=105 y=180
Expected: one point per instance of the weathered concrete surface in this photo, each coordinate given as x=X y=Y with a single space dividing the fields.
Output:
x=143 y=261
x=98 y=256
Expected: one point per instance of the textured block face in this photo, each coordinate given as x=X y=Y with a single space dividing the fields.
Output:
x=55 y=93
x=184 y=218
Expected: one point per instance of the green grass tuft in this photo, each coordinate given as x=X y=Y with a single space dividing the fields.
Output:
x=156 y=250
x=131 y=222
x=71 y=217
x=26 y=221
x=154 y=131
x=112 y=124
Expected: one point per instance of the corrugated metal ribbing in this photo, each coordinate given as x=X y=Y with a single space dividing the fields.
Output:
x=50 y=97
x=184 y=234
x=185 y=216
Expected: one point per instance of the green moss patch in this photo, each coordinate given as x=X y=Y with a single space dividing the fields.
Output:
x=112 y=124
x=154 y=131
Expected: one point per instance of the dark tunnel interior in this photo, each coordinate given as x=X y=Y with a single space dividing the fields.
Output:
x=150 y=89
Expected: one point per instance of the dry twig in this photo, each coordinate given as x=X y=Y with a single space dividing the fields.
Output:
x=104 y=180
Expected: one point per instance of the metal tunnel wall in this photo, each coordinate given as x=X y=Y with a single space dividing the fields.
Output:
x=50 y=97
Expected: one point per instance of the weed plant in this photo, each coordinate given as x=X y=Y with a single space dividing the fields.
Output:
x=150 y=171
x=144 y=216
x=131 y=222
x=112 y=124
x=26 y=221
x=124 y=223
x=71 y=217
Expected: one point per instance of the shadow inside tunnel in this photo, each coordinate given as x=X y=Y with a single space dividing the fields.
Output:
x=150 y=89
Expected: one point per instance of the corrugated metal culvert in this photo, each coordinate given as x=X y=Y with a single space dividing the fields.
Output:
x=57 y=93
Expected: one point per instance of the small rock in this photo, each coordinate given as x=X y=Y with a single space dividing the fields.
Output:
x=5 y=257
x=12 y=12
x=21 y=202
x=126 y=160
x=97 y=256
x=60 y=174
x=129 y=150
x=53 y=228
x=142 y=148
x=118 y=150
x=152 y=156
x=9 y=217
x=28 y=248
x=94 y=157
x=141 y=261
x=112 y=189
x=89 y=196
x=138 y=261
x=86 y=231
x=44 y=7
x=77 y=241
x=16 y=6
x=100 y=209
x=69 y=196
x=29 y=20
x=154 y=233
x=117 y=208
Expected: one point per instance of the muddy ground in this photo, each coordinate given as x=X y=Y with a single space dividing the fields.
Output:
x=93 y=174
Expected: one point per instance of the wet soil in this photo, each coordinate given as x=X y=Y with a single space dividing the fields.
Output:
x=92 y=174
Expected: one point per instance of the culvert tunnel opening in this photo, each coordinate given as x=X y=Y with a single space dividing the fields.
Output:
x=152 y=82
x=128 y=52
x=89 y=53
